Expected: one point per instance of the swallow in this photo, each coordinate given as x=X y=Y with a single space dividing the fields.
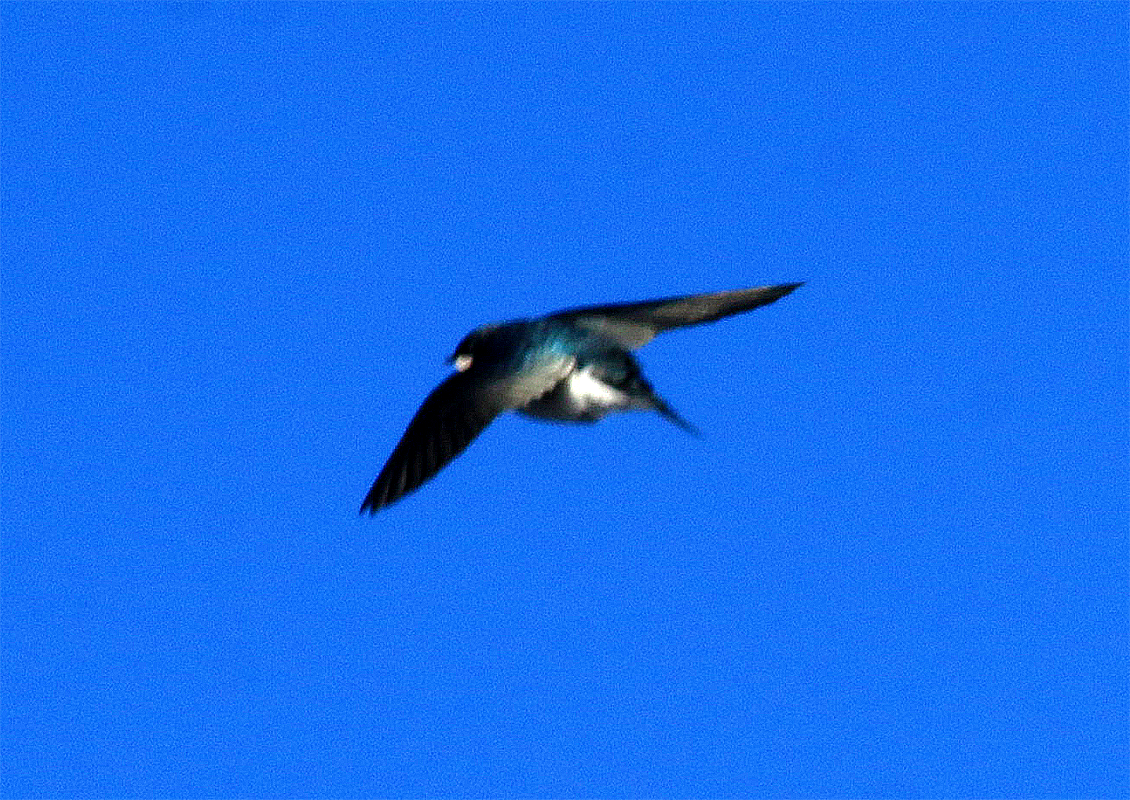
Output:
x=571 y=366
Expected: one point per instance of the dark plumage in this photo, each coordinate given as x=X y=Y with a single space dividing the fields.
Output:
x=573 y=366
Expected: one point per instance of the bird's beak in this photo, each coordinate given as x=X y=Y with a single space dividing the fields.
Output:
x=461 y=362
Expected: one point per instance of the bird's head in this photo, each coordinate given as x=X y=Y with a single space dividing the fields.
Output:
x=475 y=342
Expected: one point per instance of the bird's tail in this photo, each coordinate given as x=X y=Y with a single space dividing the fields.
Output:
x=669 y=413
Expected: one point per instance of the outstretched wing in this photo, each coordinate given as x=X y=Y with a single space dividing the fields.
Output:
x=451 y=417
x=449 y=420
x=633 y=325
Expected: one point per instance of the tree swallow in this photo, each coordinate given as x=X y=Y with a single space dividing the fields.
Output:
x=572 y=366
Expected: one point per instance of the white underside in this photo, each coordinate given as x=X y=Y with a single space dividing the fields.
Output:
x=587 y=392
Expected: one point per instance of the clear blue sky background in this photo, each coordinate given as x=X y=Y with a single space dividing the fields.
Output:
x=238 y=241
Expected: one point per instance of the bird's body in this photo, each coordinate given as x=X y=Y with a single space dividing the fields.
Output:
x=572 y=366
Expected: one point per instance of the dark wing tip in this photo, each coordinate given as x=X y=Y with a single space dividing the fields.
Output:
x=378 y=496
x=749 y=299
x=371 y=504
x=782 y=289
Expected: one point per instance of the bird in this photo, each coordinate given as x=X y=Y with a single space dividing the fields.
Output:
x=574 y=365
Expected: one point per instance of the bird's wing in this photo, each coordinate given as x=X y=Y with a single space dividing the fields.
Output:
x=450 y=418
x=633 y=325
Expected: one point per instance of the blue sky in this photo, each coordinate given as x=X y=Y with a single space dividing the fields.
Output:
x=238 y=241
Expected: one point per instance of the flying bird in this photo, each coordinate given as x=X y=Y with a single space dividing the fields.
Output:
x=572 y=366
